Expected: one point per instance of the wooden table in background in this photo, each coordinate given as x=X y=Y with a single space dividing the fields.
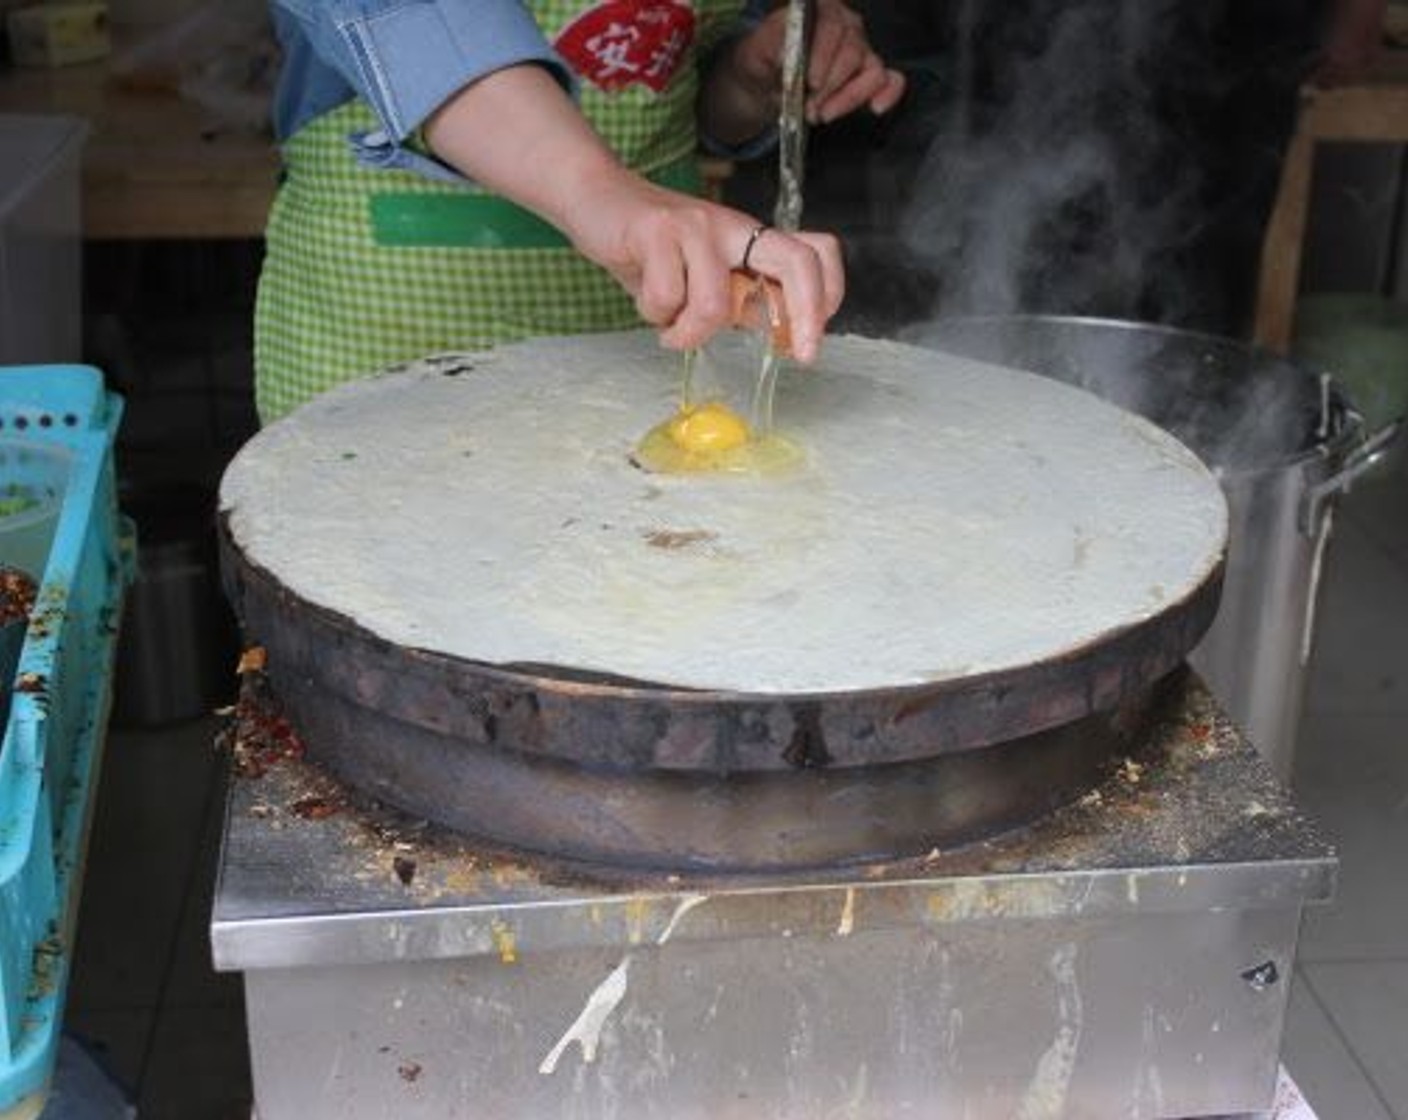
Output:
x=1374 y=110
x=155 y=166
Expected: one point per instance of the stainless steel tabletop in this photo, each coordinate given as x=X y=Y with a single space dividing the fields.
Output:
x=308 y=875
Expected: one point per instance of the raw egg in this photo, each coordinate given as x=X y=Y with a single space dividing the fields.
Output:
x=709 y=429
x=709 y=436
x=712 y=437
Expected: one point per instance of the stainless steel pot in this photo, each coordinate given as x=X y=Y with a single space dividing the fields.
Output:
x=1284 y=442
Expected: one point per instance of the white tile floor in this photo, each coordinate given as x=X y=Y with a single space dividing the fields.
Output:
x=1347 y=1032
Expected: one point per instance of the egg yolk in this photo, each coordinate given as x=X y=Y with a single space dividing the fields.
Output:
x=711 y=437
x=709 y=427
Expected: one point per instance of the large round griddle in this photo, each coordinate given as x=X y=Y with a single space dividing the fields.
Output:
x=478 y=608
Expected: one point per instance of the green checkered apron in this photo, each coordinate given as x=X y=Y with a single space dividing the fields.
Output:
x=365 y=268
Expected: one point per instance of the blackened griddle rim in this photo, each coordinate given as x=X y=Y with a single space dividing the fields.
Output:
x=633 y=726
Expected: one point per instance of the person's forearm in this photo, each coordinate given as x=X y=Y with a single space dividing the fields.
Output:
x=518 y=134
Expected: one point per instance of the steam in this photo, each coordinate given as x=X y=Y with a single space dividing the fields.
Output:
x=1238 y=411
x=1055 y=186
x=1056 y=190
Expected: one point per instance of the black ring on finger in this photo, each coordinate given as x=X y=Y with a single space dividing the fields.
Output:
x=753 y=236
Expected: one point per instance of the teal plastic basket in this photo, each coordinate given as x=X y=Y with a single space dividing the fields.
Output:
x=58 y=711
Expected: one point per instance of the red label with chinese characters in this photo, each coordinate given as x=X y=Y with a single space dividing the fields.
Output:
x=621 y=42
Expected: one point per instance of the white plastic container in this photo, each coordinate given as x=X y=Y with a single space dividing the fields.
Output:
x=40 y=249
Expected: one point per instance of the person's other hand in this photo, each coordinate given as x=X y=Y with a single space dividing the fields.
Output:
x=1354 y=41
x=674 y=254
x=844 y=73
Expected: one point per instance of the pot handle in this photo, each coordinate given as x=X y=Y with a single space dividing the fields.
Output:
x=1363 y=458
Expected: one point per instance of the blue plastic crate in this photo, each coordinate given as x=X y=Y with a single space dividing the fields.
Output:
x=58 y=713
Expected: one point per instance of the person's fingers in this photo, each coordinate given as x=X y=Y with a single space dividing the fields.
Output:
x=662 y=290
x=833 y=268
x=849 y=56
x=890 y=95
x=866 y=84
x=795 y=263
x=837 y=51
x=857 y=91
x=706 y=308
x=829 y=36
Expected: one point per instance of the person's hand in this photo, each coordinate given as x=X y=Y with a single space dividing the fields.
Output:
x=1354 y=41
x=844 y=74
x=672 y=252
x=675 y=254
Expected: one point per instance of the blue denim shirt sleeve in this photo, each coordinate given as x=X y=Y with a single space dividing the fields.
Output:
x=405 y=58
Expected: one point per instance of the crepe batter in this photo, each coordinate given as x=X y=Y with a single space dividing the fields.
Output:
x=950 y=518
